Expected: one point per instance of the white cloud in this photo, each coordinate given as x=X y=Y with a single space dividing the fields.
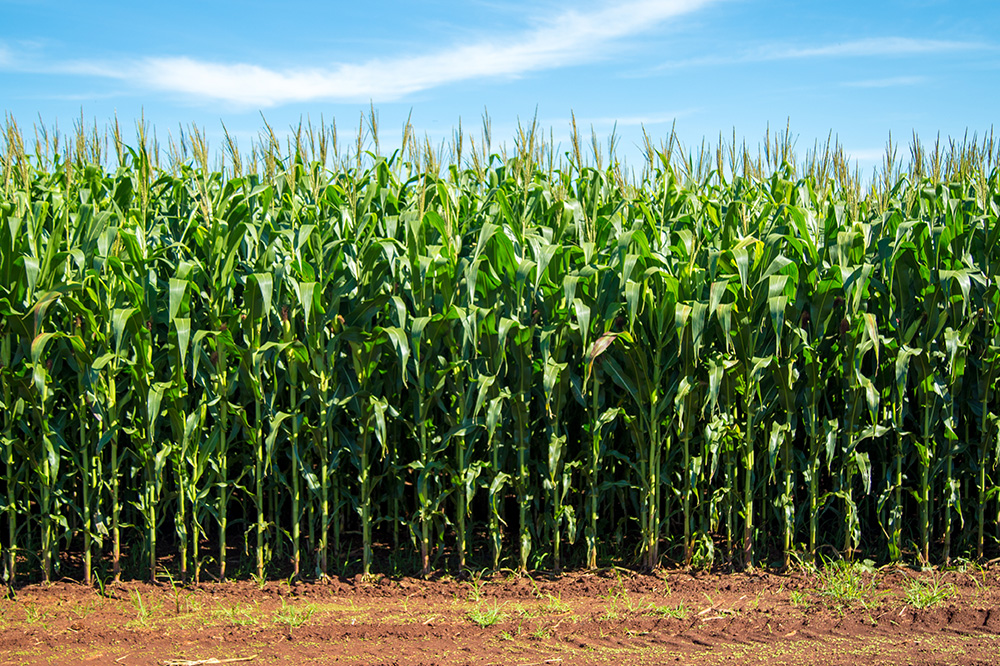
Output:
x=637 y=121
x=877 y=46
x=865 y=155
x=891 y=82
x=860 y=48
x=561 y=40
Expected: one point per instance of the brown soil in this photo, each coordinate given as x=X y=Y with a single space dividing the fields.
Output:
x=598 y=618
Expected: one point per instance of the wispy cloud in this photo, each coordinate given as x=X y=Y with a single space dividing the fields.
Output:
x=642 y=120
x=560 y=40
x=88 y=96
x=859 y=48
x=878 y=46
x=865 y=155
x=607 y=122
x=890 y=82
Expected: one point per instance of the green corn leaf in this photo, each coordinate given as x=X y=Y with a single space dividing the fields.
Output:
x=183 y=327
x=178 y=290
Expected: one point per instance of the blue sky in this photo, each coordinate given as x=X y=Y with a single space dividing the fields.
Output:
x=858 y=69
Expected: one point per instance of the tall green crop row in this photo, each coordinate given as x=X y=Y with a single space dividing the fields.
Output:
x=514 y=362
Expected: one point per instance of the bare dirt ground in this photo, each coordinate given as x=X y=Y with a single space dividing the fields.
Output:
x=845 y=616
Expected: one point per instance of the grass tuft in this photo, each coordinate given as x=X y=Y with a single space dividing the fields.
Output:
x=293 y=616
x=847 y=582
x=486 y=615
x=921 y=594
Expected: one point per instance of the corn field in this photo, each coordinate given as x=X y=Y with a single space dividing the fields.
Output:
x=315 y=358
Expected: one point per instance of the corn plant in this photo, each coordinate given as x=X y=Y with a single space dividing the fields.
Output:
x=304 y=352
